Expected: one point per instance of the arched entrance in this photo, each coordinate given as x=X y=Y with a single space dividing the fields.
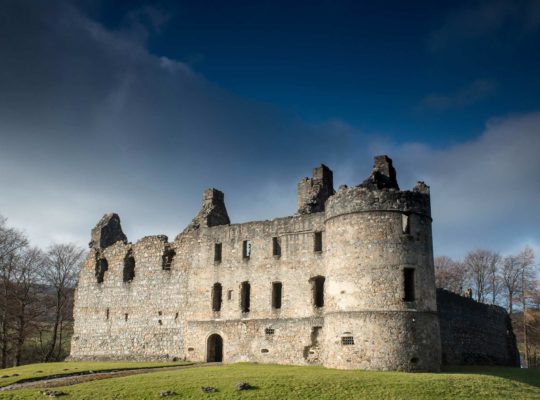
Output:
x=214 y=348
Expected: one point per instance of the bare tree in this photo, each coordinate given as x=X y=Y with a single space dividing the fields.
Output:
x=494 y=279
x=60 y=273
x=26 y=294
x=477 y=263
x=450 y=274
x=527 y=285
x=11 y=242
x=511 y=280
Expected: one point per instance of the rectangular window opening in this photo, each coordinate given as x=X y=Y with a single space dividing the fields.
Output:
x=216 y=297
x=408 y=283
x=246 y=249
x=347 y=340
x=406 y=224
x=317 y=241
x=276 y=295
x=229 y=294
x=276 y=247
x=125 y=317
x=317 y=287
x=217 y=252
x=245 y=297
x=107 y=313
x=269 y=331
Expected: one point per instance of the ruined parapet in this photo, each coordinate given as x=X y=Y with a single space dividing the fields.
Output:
x=313 y=192
x=107 y=232
x=383 y=175
x=213 y=211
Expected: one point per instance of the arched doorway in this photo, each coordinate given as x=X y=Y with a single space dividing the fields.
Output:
x=214 y=348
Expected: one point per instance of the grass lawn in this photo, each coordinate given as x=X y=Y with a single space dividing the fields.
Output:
x=288 y=382
x=12 y=375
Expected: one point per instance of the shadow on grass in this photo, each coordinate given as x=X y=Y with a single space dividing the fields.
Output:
x=529 y=376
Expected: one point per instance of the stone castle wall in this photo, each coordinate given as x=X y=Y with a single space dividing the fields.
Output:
x=474 y=333
x=355 y=268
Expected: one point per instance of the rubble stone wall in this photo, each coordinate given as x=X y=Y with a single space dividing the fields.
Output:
x=473 y=333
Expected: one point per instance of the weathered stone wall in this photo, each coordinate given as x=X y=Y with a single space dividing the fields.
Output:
x=369 y=235
x=474 y=333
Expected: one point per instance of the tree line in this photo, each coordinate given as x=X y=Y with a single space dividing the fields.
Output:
x=509 y=281
x=36 y=298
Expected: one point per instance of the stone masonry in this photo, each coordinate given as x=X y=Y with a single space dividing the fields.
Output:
x=347 y=282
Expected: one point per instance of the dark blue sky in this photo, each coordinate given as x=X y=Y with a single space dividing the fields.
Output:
x=136 y=107
x=373 y=64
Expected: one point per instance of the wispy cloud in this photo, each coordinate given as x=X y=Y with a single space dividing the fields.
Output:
x=472 y=93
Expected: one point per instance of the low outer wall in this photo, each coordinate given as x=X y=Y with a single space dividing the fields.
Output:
x=474 y=333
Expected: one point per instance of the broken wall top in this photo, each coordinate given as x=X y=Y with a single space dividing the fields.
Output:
x=212 y=213
x=107 y=232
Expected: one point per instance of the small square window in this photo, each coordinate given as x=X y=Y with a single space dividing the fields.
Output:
x=347 y=340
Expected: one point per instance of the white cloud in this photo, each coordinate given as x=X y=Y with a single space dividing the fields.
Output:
x=485 y=191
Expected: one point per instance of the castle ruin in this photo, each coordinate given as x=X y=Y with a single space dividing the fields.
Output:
x=347 y=282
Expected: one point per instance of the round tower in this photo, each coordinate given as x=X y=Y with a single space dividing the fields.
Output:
x=380 y=307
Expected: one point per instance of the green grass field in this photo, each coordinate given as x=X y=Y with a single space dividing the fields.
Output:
x=13 y=375
x=287 y=382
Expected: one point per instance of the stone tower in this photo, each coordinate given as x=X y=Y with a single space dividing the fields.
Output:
x=381 y=283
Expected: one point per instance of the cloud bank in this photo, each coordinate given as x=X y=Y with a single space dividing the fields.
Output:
x=91 y=122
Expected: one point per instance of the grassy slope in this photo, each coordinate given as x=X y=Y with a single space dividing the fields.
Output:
x=287 y=382
x=67 y=367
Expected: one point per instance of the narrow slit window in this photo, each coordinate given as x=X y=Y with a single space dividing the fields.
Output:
x=406 y=224
x=276 y=295
x=408 y=283
x=129 y=267
x=229 y=294
x=167 y=259
x=317 y=241
x=101 y=267
x=245 y=297
x=317 y=287
x=216 y=297
x=347 y=340
x=217 y=252
x=107 y=313
x=276 y=247
x=126 y=317
x=246 y=249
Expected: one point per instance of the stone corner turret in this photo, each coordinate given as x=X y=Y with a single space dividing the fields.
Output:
x=313 y=192
x=212 y=213
x=107 y=232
